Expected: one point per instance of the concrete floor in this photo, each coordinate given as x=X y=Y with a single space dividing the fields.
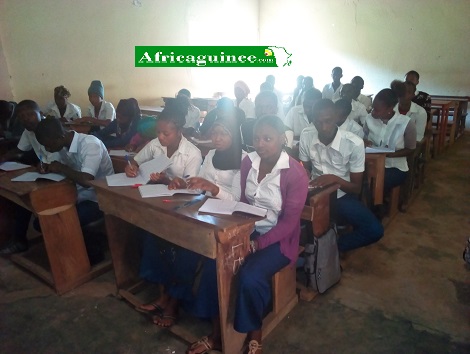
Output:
x=409 y=293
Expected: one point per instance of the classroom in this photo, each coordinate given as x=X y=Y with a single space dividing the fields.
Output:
x=405 y=289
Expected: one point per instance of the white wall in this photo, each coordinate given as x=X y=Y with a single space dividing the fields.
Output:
x=71 y=42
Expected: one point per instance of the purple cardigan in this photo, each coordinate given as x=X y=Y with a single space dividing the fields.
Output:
x=294 y=188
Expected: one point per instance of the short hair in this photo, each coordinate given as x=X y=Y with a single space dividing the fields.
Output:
x=400 y=87
x=273 y=121
x=414 y=73
x=337 y=68
x=357 y=79
x=343 y=106
x=61 y=91
x=266 y=86
x=28 y=104
x=320 y=106
x=270 y=95
x=175 y=111
x=308 y=79
x=49 y=128
x=185 y=92
x=387 y=96
x=313 y=94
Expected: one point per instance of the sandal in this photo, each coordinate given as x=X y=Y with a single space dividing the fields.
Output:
x=205 y=346
x=157 y=309
x=164 y=321
x=254 y=347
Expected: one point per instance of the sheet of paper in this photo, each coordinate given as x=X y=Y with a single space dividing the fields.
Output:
x=121 y=180
x=378 y=150
x=161 y=190
x=121 y=153
x=218 y=206
x=250 y=209
x=12 y=166
x=157 y=164
x=33 y=176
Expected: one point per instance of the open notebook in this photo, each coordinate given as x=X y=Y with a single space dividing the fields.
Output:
x=33 y=176
x=122 y=153
x=12 y=166
x=378 y=150
x=228 y=207
x=157 y=165
x=161 y=190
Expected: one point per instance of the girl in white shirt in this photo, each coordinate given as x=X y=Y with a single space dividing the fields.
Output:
x=61 y=108
x=241 y=91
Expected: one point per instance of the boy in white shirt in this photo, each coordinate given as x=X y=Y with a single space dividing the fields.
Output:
x=358 y=82
x=331 y=91
x=61 y=108
x=343 y=109
x=358 y=111
x=297 y=117
x=333 y=156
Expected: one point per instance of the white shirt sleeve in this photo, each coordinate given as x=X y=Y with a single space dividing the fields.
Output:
x=25 y=143
x=421 y=119
x=193 y=164
x=304 y=154
x=110 y=111
x=235 y=192
x=289 y=119
x=91 y=155
x=357 y=160
x=147 y=153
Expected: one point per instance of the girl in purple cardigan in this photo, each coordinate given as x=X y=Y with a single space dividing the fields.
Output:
x=272 y=180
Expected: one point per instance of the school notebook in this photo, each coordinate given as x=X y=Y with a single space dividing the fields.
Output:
x=378 y=150
x=33 y=176
x=228 y=207
x=122 y=153
x=161 y=190
x=12 y=166
x=157 y=165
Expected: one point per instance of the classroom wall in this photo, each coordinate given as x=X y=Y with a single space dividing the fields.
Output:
x=71 y=42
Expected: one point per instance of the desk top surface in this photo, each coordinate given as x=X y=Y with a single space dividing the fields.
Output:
x=167 y=205
x=441 y=102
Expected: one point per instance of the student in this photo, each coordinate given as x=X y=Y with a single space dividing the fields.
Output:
x=241 y=91
x=61 y=108
x=406 y=92
x=358 y=111
x=297 y=117
x=272 y=180
x=358 y=82
x=386 y=127
x=101 y=113
x=219 y=177
x=29 y=115
x=331 y=91
x=192 y=118
x=224 y=108
x=10 y=126
x=280 y=108
x=421 y=98
x=120 y=131
x=297 y=91
x=343 y=110
x=146 y=132
x=334 y=156
x=307 y=84
x=185 y=158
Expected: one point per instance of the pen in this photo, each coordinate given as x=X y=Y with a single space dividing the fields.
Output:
x=127 y=159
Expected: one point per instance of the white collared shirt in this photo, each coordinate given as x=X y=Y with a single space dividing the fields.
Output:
x=358 y=112
x=267 y=193
x=365 y=100
x=192 y=117
x=419 y=117
x=353 y=127
x=87 y=154
x=296 y=120
x=343 y=156
x=228 y=181
x=247 y=106
x=28 y=141
x=330 y=93
x=72 y=111
x=186 y=161
x=107 y=111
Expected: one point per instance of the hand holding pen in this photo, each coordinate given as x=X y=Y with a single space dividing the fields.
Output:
x=42 y=167
x=131 y=169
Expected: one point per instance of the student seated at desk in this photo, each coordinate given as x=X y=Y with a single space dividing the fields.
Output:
x=358 y=111
x=269 y=179
x=358 y=82
x=297 y=91
x=386 y=127
x=219 y=177
x=194 y=113
x=224 y=108
x=185 y=158
x=343 y=110
x=406 y=92
x=100 y=112
x=61 y=108
x=120 y=131
x=241 y=91
x=421 y=98
x=297 y=118
x=83 y=158
x=29 y=115
x=146 y=132
x=10 y=126
x=331 y=90
x=335 y=156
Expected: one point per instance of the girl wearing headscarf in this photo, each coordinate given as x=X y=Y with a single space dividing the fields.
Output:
x=219 y=177
x=241 y=91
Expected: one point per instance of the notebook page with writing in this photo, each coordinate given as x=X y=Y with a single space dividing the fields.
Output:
x=156 y=165
x=218 y=206
x=33 y=176
x=121 y=180
x=250 y=209
x=121 y=153
x=161 y=190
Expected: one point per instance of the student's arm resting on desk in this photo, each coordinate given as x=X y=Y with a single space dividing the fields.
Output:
x=82 y=178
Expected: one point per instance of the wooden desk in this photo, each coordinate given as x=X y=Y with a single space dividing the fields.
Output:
x=376 y=175
x=83 y=128
x=441 y=123
x=151 y=110
x=222 y=237
x=67 y=265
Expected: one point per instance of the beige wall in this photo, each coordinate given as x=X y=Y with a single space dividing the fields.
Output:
x=71 y=42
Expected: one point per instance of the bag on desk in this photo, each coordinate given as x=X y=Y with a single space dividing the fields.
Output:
x=322 y=266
